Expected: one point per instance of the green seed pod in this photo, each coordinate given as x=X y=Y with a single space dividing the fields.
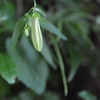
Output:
x=36 y=34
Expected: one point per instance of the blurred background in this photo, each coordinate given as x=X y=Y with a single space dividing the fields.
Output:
x=39 y=76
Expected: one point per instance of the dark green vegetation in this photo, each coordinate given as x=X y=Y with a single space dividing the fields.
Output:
x=71 y=48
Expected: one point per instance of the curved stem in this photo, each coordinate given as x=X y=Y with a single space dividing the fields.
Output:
x=61 y=63
x=34 y=3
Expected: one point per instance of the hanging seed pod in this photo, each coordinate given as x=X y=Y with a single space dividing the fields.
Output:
x=36 y=34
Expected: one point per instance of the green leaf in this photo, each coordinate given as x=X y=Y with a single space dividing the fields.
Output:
x=7 y=68
x=33 y=77
x=75 y=60
x=33 y=74
x=47 y=54
x=51 y=28
x=18 y=30
x=85 y=95
x=41 y=12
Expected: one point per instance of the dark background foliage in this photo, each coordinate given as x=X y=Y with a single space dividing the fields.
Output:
x=79 y=21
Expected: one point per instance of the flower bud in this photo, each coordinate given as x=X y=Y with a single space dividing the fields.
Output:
x=27 y=32
x=36 y=34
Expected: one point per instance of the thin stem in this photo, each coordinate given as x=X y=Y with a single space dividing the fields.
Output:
x=61 y=65
x=34 y=3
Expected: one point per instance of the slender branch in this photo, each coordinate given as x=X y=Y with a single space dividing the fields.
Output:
x=34 y=3
x=61 y=65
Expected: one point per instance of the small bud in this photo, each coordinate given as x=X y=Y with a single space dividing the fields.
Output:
x=27 y=32
x=36 y=34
